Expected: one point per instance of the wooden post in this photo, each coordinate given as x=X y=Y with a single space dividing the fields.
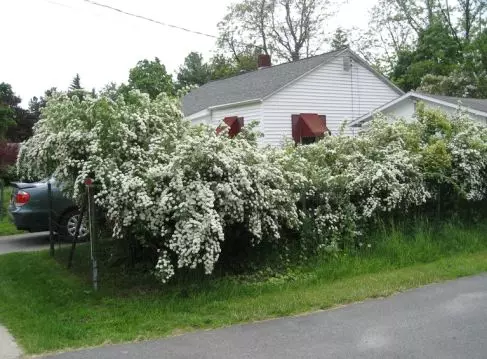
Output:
x=51 y=229
x=92 y=225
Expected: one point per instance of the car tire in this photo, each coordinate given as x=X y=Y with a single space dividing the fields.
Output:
x=68 y=227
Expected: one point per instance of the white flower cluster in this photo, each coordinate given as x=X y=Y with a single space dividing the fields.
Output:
x=172 y=187
x=180 y=189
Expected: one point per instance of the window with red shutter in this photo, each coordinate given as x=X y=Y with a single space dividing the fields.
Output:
x=234 y=124
x=308 y=127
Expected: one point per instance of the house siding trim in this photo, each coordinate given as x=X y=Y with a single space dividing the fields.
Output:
x=418 y=96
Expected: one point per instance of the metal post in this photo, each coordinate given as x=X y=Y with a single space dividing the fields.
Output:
x=51 y=230
x=76 y=232
x=1 y=197
x=92 y=225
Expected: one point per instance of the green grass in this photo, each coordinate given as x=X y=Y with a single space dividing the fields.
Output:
x=6 y=225
x=48 y=308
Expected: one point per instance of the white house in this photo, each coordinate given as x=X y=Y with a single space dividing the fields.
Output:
x=300 y=100
x=405 y=107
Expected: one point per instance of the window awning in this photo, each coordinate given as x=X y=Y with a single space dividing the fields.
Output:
x=308 y=125
x=234 y=124
x=312 y=125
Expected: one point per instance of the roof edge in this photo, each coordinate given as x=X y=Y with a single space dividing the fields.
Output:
x=381 y=76
x=449 y=104
x=368 y=115
x=232 y=104
x=420 y=96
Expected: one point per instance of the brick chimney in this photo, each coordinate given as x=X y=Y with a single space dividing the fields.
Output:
x=264 y=61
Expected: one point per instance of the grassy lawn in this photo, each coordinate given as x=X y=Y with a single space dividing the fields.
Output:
x=48 y=308
x=6 y=225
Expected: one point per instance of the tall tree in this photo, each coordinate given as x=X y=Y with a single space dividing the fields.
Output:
x=8 y=108
x=36 y=104
x=287 y=29
x=437 y=52
x=151 y=77
x=15 y=122
x=194 y=71
x=340 y=39
x=469 y=78
x=76 y=83
x=396 y=25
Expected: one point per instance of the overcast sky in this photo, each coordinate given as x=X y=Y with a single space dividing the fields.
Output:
x=46 y=42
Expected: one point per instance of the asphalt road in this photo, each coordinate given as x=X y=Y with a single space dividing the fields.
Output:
x=444 y=321
x=24 y=242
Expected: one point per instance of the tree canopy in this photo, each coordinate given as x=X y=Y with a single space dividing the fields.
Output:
x=287 y=29
x=8 y=104
x=340 y=39
x=151 y=77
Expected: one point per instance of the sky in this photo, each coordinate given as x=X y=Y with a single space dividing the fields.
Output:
x=49 y=41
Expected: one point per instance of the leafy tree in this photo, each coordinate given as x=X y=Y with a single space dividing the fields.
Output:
x=38 y=103
x=396 y=26
x=469 y=79
x=194 y=71
x=340 y=39
x=15 y=122
x=151 y=77
x=76 y=83
x=437 y=53
x=221 y=67
x=289 y=29
x=8 y=108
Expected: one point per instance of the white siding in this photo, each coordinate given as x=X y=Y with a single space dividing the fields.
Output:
x=203 y=116
x=330 y=90
x=250 y=113
x=406 y=109
x=204 y=120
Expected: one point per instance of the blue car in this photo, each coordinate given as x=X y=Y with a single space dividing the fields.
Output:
x=29 y=209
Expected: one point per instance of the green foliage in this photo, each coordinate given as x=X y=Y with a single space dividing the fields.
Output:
x=76 y=83
x=194 y=71
x=340 y=39
x=152 y=78
x=6 y=225
x=8 y=105
x=193 y=197
x=436 y=53
x=132 y=306
x=468 y=79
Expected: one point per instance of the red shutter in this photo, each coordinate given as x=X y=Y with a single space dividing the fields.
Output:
x=296 y=128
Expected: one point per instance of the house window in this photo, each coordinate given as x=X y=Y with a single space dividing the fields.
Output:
x=234 y=124
x=308 y=127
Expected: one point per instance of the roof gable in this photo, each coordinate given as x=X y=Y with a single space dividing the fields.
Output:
x=258 y=84
x=472 y=105
x=478 y=104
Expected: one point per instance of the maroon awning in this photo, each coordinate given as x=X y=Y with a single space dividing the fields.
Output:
x=308 y=125
x=234 y=124
x=312 y=125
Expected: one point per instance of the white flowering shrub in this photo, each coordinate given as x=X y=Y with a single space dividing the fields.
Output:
x=172 y=187
x=345 y=182
x=186 y=192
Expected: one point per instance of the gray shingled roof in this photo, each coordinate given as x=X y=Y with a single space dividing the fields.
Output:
x=472 y=103
x=251 y=85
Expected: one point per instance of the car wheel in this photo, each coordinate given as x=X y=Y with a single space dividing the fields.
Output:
x=68 y=226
